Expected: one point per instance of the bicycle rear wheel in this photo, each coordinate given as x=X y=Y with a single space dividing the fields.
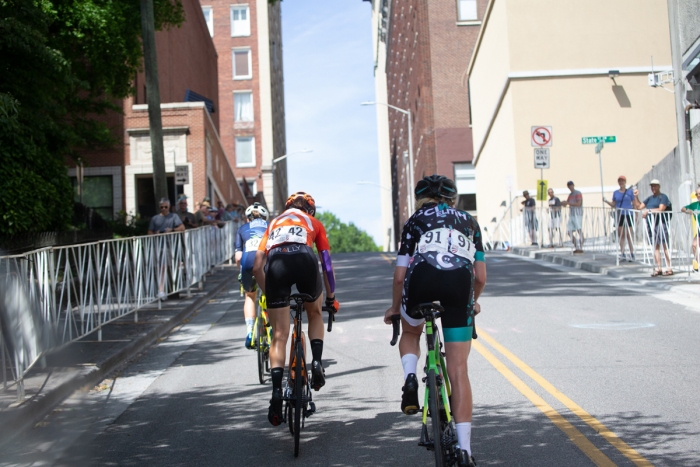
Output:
x=435 y=419
x=298 y=394
x=261 y=337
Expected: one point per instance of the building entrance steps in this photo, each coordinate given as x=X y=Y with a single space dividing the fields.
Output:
x=85 y=362
x=602 y=263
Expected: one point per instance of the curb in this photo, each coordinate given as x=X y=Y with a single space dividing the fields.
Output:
x=588 y=266
x=30 y=414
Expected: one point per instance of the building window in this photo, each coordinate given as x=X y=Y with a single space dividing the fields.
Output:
x=240 y=20
x=243 y=106
x=466 y=10
x=465 y=179
x=209 y=18
x=242 y=67
x=245 y=151
x=97 y=194
x=251 y=186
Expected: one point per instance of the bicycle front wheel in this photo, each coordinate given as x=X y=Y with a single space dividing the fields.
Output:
x=298 y=394
x=434 y=406
x=261 y=337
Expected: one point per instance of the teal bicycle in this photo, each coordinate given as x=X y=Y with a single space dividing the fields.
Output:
x=442 y=435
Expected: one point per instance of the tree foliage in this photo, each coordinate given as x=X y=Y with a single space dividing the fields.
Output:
x=62 y=64
x=345 y=238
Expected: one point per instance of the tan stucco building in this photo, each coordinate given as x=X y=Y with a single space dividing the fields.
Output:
x=549 y=63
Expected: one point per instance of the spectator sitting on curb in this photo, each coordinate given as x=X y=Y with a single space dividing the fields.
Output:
x=186 y=217
x=529 y=216
x=622 y=203
x=657 y=224
x=554 y=217
x=575 y=224
x=694 y=209
x=202 y=215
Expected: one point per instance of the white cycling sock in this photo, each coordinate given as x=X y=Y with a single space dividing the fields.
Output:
x=464 y=436
x=249 y=322
x=410 y=363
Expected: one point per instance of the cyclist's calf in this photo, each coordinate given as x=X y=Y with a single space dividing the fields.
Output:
x=315 y=317
x=456 y=354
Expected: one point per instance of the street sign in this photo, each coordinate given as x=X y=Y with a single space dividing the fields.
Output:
x=182 y=175
x=599 y=147
x=541 y=190
x=541 y=158
x=598 y=139
x=541 y=136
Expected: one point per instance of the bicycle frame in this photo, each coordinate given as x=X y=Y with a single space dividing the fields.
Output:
x=435 y=360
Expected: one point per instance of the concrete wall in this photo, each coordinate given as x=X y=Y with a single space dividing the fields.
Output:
x=689 y=19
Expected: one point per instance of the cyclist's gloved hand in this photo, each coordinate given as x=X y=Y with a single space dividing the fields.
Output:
x=333 y=303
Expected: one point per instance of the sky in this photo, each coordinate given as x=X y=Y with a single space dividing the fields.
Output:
x=328 y=71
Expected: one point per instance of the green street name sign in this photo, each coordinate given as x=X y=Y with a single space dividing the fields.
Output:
x=598 y=139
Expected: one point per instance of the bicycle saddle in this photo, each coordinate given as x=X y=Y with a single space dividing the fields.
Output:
x=423 y=310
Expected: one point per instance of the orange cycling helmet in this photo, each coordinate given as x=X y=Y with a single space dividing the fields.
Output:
x=309 y=203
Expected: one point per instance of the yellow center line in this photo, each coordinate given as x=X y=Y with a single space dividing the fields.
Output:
x=591 y=421
x=389 y=258
x=578 y=438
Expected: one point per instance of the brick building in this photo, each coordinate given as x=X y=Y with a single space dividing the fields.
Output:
x=422 y=51
x=247 y=35
x=121 y=178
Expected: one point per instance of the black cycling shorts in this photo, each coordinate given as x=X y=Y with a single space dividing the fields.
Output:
x=625 y=220
x=452 y=288
x=289 y=265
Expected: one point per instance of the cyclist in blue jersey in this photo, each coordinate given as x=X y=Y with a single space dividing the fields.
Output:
x=247 y=240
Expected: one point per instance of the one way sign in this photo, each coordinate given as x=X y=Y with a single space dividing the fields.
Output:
x=541 y=158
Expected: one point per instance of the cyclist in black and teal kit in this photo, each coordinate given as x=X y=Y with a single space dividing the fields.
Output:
x=441 y=258
x=247 y=240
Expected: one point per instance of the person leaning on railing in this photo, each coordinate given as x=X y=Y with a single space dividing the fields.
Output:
x=622 y=202
x=657 y=224
x=694 y=209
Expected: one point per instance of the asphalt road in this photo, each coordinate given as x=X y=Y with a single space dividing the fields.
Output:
x=570 y=369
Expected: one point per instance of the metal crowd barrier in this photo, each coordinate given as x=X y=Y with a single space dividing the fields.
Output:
x=53 y=296
x=672 y=236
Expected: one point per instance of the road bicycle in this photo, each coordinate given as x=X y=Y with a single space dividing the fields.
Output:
x=442 y=436
x=296 y=393
x=262 y=337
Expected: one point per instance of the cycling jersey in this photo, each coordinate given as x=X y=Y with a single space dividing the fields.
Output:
x=248 y=239
x=294 y=226
x=439 y=246
x=288 y=243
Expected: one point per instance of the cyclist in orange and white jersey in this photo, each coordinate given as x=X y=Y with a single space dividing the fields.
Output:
x=288 y=247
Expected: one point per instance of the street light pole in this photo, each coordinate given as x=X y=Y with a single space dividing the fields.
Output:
x=275 y=161
x=411 y=181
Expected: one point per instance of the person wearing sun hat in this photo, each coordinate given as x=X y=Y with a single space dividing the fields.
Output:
x=653 y=210
x=624 y=217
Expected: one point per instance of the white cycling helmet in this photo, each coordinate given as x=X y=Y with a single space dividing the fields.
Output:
x=258 y=209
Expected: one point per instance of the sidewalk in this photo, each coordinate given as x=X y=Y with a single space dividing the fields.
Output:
x=85 y=362
x=602 y=263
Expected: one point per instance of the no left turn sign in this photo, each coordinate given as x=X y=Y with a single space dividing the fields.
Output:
x=541 y=136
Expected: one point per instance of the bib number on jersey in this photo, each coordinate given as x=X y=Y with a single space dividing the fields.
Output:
x=446 y=240
x=252 y=244
x=286 y=234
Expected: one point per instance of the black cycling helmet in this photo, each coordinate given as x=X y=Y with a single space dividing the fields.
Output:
x=436 y=186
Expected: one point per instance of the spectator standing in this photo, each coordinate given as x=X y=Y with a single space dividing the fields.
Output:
x=554 y=217
x=657 y=224
x=202 y=215
x=624 y=217
x=165 y=222
x=574 y=227
x=530 y=216
x=221 y=212
x=694 y=209
x=187 y=218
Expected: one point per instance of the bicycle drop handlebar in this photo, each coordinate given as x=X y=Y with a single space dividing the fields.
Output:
x=395 y=320
x=331 y=316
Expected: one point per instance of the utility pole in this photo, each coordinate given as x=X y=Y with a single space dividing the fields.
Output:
x=679 y=90
x=148 y=37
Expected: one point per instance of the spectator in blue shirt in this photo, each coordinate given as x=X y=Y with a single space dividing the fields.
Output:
x=653 y=210
x=624 y=217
